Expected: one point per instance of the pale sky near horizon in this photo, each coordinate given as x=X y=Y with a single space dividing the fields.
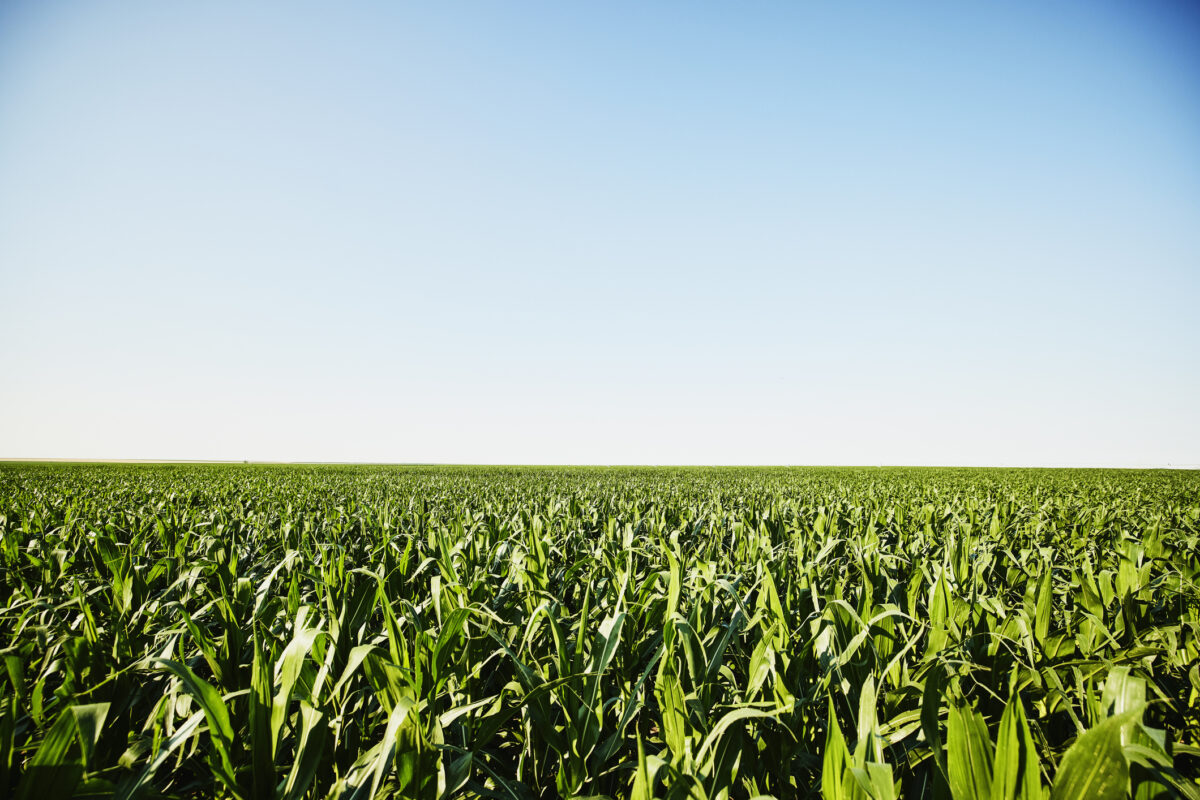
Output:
x=764 y=233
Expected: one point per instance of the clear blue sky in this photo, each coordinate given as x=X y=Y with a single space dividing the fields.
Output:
x=841 y=233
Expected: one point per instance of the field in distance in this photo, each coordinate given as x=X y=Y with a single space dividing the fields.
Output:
x=185 y=630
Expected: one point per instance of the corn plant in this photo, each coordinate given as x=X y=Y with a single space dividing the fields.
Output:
x=256 y=632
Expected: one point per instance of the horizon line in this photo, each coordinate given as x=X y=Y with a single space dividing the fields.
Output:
x=267 y=462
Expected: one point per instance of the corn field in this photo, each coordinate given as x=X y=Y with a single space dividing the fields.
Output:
x=296 y=632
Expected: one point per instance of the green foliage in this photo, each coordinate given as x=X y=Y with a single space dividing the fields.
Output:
x=278 y=633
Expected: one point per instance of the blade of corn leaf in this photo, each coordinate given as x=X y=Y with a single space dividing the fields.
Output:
x=1094 y=767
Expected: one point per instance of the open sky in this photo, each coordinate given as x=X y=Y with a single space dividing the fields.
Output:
x=619 y=232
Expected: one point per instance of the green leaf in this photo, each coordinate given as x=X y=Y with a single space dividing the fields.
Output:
x=89 y=722
x=1016 y=774
x=672 y=709
x=262 y=744
x=1094 y=767
x=211 y=703
x=51 y=774
x=969 y=754
x=931 y=703
x=1042 y=608
x=836 y=760
x=129 y=791
x=1122 y=692
x=458 y=772
x=398 y=719
x=737 y=715
x=648 y=768
x=313 y=732
x=839 y=778
x=869 y=746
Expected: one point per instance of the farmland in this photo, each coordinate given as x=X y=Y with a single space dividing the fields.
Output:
x=427 y=632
